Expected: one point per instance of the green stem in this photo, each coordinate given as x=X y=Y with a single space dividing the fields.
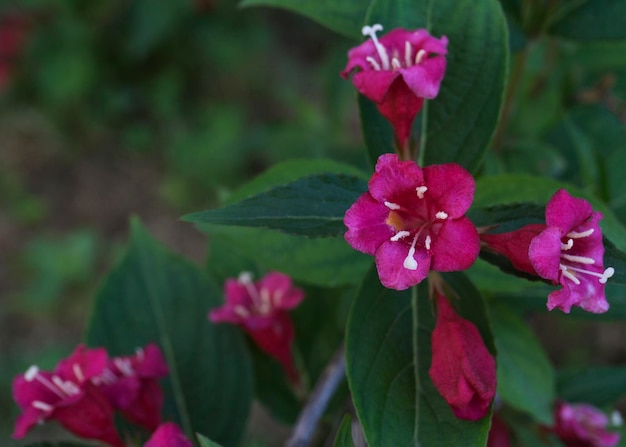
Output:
x=414 y=306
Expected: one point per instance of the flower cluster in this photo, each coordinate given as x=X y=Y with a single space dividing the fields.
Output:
x=84 y=390
x=583 y=425
x=566 y=250
x=397 y=72
x=260 y=308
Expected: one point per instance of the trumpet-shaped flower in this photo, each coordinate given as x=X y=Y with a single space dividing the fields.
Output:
x=68 y=396
x=583 y=425
x=168 y=434
x=413 y=221
x=260 y=308
x=462 y=369
x=397 y=72
x=131 y=384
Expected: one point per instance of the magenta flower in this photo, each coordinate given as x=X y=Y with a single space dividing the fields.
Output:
x=168 y=435
x=582 y=425
x=570 y=252
x=68 y=396
x=413 y=221
x=260 y=308
x=462 y=369
x=397 y=72
x=131 y=384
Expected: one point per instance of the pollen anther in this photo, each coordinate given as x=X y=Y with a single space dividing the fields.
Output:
x=420 y=190
x=441 y=215
x=392 y=206
x=399 y=235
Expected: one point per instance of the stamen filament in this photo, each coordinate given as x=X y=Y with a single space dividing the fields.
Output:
x=50 y=386
x=392 y=206
x=427 y=242
x=395 y=63
x=608 y=272
x=399 y=235
x=373 y=63
x=241 y=311
x=78 y=372
x=382 y=52
x=579 y=235
x=39 y=405
x=569 y=274
x=407 y=53
x=419 y=56
x=409 y=262
x=570 y=244
x=579 y=259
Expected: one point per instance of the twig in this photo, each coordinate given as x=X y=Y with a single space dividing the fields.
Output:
x=318 y=400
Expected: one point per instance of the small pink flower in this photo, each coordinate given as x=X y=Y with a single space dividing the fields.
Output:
x=413 y=221
x=462 y=369
x=582 y=425
x=168 y=435
x=131 y=384
x=567 y=250
x=260 y=308
x=397 y=72
x=68 y=396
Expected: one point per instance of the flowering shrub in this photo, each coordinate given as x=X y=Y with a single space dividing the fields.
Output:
x=436 y=348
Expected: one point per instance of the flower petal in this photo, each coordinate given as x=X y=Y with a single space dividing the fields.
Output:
x=456 y=247
x=390 y=259
x=394 y=178
x=424 y=79
x=374 y=84
x=566 y=212
x=168 y=435
x=365 y=220
x=545 y=253
x=451 y=187
x=280 y=287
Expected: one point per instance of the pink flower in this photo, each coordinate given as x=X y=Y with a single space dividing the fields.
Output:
x=397 y=72
x=582 y=425
x=131 y=384
x=168 y=435
x=462 y=369
x=260 y=308
x=567 y=250
x=67 y=395
x=413 y=221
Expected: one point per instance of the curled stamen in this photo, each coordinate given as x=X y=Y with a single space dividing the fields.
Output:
x=395 y=63
x=579 y=235
x=441 y=215
x=407 y=53
x=419 y=56
x=373 y=63
x=579 y=259
x=399 y=235
x=382 y=52
x=570 y=244
x=420 y=190
x=392 y=206
x=409 y=262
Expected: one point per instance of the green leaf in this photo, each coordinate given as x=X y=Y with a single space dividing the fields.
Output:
x=505 y=189
x=525 y=375
x=344 y=434
x=154 y=296
x=205 y=442
x=345 y=17
x=381 y=368
x=600 y=386
x=325 y=262
x=313 y=206
x=57 y=444
x=591 y=20
x=377 y=131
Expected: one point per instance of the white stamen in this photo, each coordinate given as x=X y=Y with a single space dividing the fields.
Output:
x=78 y=372
x=577 y=235
x=67 y=386
x=407 y=53
x=441 y=215
x=399 y=235
x=395 y=63
x=241 y=311
x=569 y=274
x=419 y=56
x=382 y=52
x=245 y=277
x=39 y=405
x=427 y=242
x=31 y=373
x=579 y=259
x=570 y=244
x=45 y=382
x=392 y=206
x=409 y=262
x=266 y=304
x=373 y=63
x=420 y=190
x=616 y=419
x=125 y=366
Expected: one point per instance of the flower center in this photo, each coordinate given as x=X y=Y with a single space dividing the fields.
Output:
x=394 y=62
x=414 y=226
x=570 y=265
x=261 y=299
x=61 y=388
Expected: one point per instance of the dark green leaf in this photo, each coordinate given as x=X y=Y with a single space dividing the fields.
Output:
x=345 y=17
x=377 y=131
x=600 y=386
x=591 y=20
x=313 y=206
x=325 y=262
x=381 y=368
x=56 y=444
x=344 y=434
x=205 y=442
x=153 y=296
x=525 y=375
